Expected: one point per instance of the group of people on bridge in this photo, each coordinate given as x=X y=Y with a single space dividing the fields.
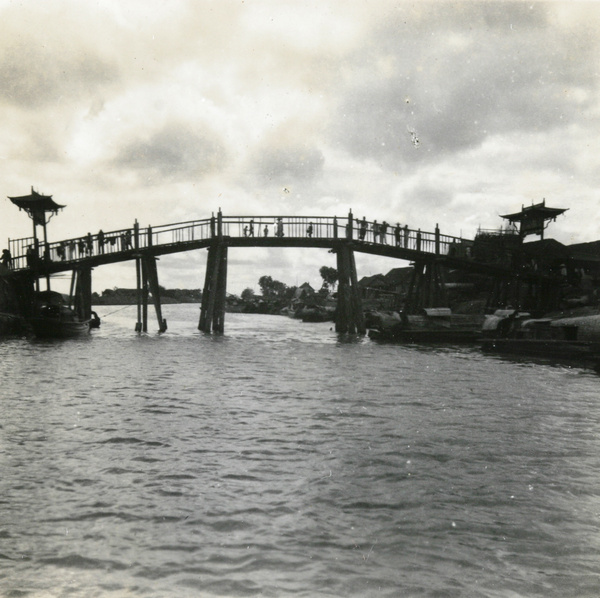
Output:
x=401 y=234
x=380 y=232
x=74 y=248
x=249 y=229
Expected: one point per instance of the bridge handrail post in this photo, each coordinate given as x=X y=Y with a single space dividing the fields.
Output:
x=136 y=234
x=335 y=230
x=349 y=226
x=219 y=224
x=437 y=239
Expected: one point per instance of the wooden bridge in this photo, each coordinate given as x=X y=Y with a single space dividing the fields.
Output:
x=32 y=259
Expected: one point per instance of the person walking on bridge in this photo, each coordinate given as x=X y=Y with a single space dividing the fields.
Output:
x=362 y=231
x=279 y=229
x=375 y=231
x=383 y=232
x=6 y=258
x=309 y=230
x=251 y=228
x=397 y=232
x=100 y=241
x=266 y=230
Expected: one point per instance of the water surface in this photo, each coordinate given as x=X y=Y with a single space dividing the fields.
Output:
x=283 y=460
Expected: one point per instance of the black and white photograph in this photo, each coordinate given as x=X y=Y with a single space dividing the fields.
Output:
x=300 y=299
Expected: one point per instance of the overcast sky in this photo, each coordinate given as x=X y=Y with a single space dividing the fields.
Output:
x=422 y=113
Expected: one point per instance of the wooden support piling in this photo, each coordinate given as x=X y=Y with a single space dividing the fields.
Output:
x=343 y=307
x=426 y=287
x=357 y=308
x=151 y=277
x=138 y=278
x=212 y=311
x=221 y=293
x=145 y=293
x=81 y=282
x=349 y=313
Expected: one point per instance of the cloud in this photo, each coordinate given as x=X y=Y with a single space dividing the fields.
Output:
x=453 y=87
x=289 y=164
x=51 y=58
x=176 y=150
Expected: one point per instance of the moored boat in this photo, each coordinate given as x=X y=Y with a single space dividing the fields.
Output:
x=53 y=318
x=434 y=325
x=317 y=313
x=569 y=338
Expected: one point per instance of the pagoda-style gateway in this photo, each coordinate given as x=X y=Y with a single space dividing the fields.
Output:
x=40 y=208
x=534 y=219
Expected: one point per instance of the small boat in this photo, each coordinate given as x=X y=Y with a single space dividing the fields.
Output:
x=316 y=313
x=564 y=338
x=53 y=318
x=434 y=325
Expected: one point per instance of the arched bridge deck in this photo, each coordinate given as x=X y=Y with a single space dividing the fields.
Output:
x=121 y=245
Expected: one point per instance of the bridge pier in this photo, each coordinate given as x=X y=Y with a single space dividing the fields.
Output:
x=147 y=283
x=150 y=276
x=81 y=292
x=426 y=287
x=212 y=311
x=349 y=315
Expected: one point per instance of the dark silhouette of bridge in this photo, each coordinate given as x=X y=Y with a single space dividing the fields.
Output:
x=33 y=260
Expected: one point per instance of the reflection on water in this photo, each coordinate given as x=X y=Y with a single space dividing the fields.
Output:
x=282 y=460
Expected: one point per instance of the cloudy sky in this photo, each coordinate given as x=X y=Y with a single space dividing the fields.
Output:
x=442 y=112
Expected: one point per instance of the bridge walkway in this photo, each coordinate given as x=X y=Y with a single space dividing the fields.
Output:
x=122 y=245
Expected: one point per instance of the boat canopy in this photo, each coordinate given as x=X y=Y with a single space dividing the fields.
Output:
x=36 y=205
x=438 y=312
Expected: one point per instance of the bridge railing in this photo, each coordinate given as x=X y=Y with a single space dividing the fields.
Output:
x=182 y=232
x=301 y=227
x=25 y=252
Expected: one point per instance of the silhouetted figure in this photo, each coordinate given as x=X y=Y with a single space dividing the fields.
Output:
x=309 y=230
x=362 y=231
x=6 y=258
x=383 y=231
x=100 y=241
x=375 y=231
x=31 y=257
x=90 y=244
x=279 y=228
x=251 y=229
x=397 y=234
x=266 y=230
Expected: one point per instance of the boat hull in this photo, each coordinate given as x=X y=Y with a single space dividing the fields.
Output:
x=54 y=328
x=424 y=335
x=559 y=349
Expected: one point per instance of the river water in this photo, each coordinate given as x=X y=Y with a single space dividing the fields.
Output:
x=282 y=460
